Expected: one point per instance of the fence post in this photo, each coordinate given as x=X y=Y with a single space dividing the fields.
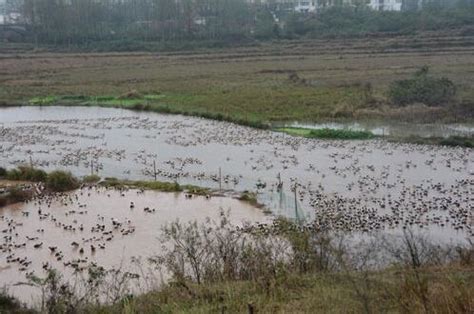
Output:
x=220 y=179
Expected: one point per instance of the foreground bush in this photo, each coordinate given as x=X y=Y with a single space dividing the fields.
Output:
x=283 y=267
x=9 y=304
x=265 y=259
x=60 y=181
x=422 y=88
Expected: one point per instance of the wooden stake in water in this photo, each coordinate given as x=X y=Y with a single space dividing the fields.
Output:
x=296 y=199
x=296 y=202
x=280 y=183
x=154 y=169
x=220 y=178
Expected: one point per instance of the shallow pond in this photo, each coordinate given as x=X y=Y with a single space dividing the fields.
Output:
x=54 y=231
x=355 y=185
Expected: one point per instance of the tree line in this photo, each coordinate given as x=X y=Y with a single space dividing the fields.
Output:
x=79 y=22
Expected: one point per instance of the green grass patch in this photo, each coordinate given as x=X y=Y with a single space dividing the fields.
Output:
x=295 y=131
x=246 y=105
x=341 y=134
x=48 y=100
x=101 y=100
x=154 y=97
x=327 y=133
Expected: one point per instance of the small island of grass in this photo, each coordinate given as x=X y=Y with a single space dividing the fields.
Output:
x=327 y=133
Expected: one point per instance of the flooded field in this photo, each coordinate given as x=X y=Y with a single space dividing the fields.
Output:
x=350 y=185
x=98 y=226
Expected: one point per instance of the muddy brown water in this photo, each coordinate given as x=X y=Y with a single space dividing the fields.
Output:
x=87 y=208
x=362 y=186
x=376 y=181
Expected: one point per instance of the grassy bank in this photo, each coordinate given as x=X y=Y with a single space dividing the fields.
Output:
x=158 y=103
x=323 y=293
x=449 y=291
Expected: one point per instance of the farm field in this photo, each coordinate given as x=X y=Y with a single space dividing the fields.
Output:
x=312 y=81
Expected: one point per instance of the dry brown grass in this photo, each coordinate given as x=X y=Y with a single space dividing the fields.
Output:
x=250 y=82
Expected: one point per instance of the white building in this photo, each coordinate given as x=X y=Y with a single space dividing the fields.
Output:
x=386 y=5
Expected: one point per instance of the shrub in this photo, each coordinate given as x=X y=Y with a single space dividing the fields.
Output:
x=8 y=304
x=3 y=172
x=422 y=88
x=25 y=173
x=61 y=181
x=249 y=197
x=91 y=179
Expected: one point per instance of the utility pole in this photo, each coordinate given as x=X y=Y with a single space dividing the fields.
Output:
x=92 y=167
x=154 y=169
